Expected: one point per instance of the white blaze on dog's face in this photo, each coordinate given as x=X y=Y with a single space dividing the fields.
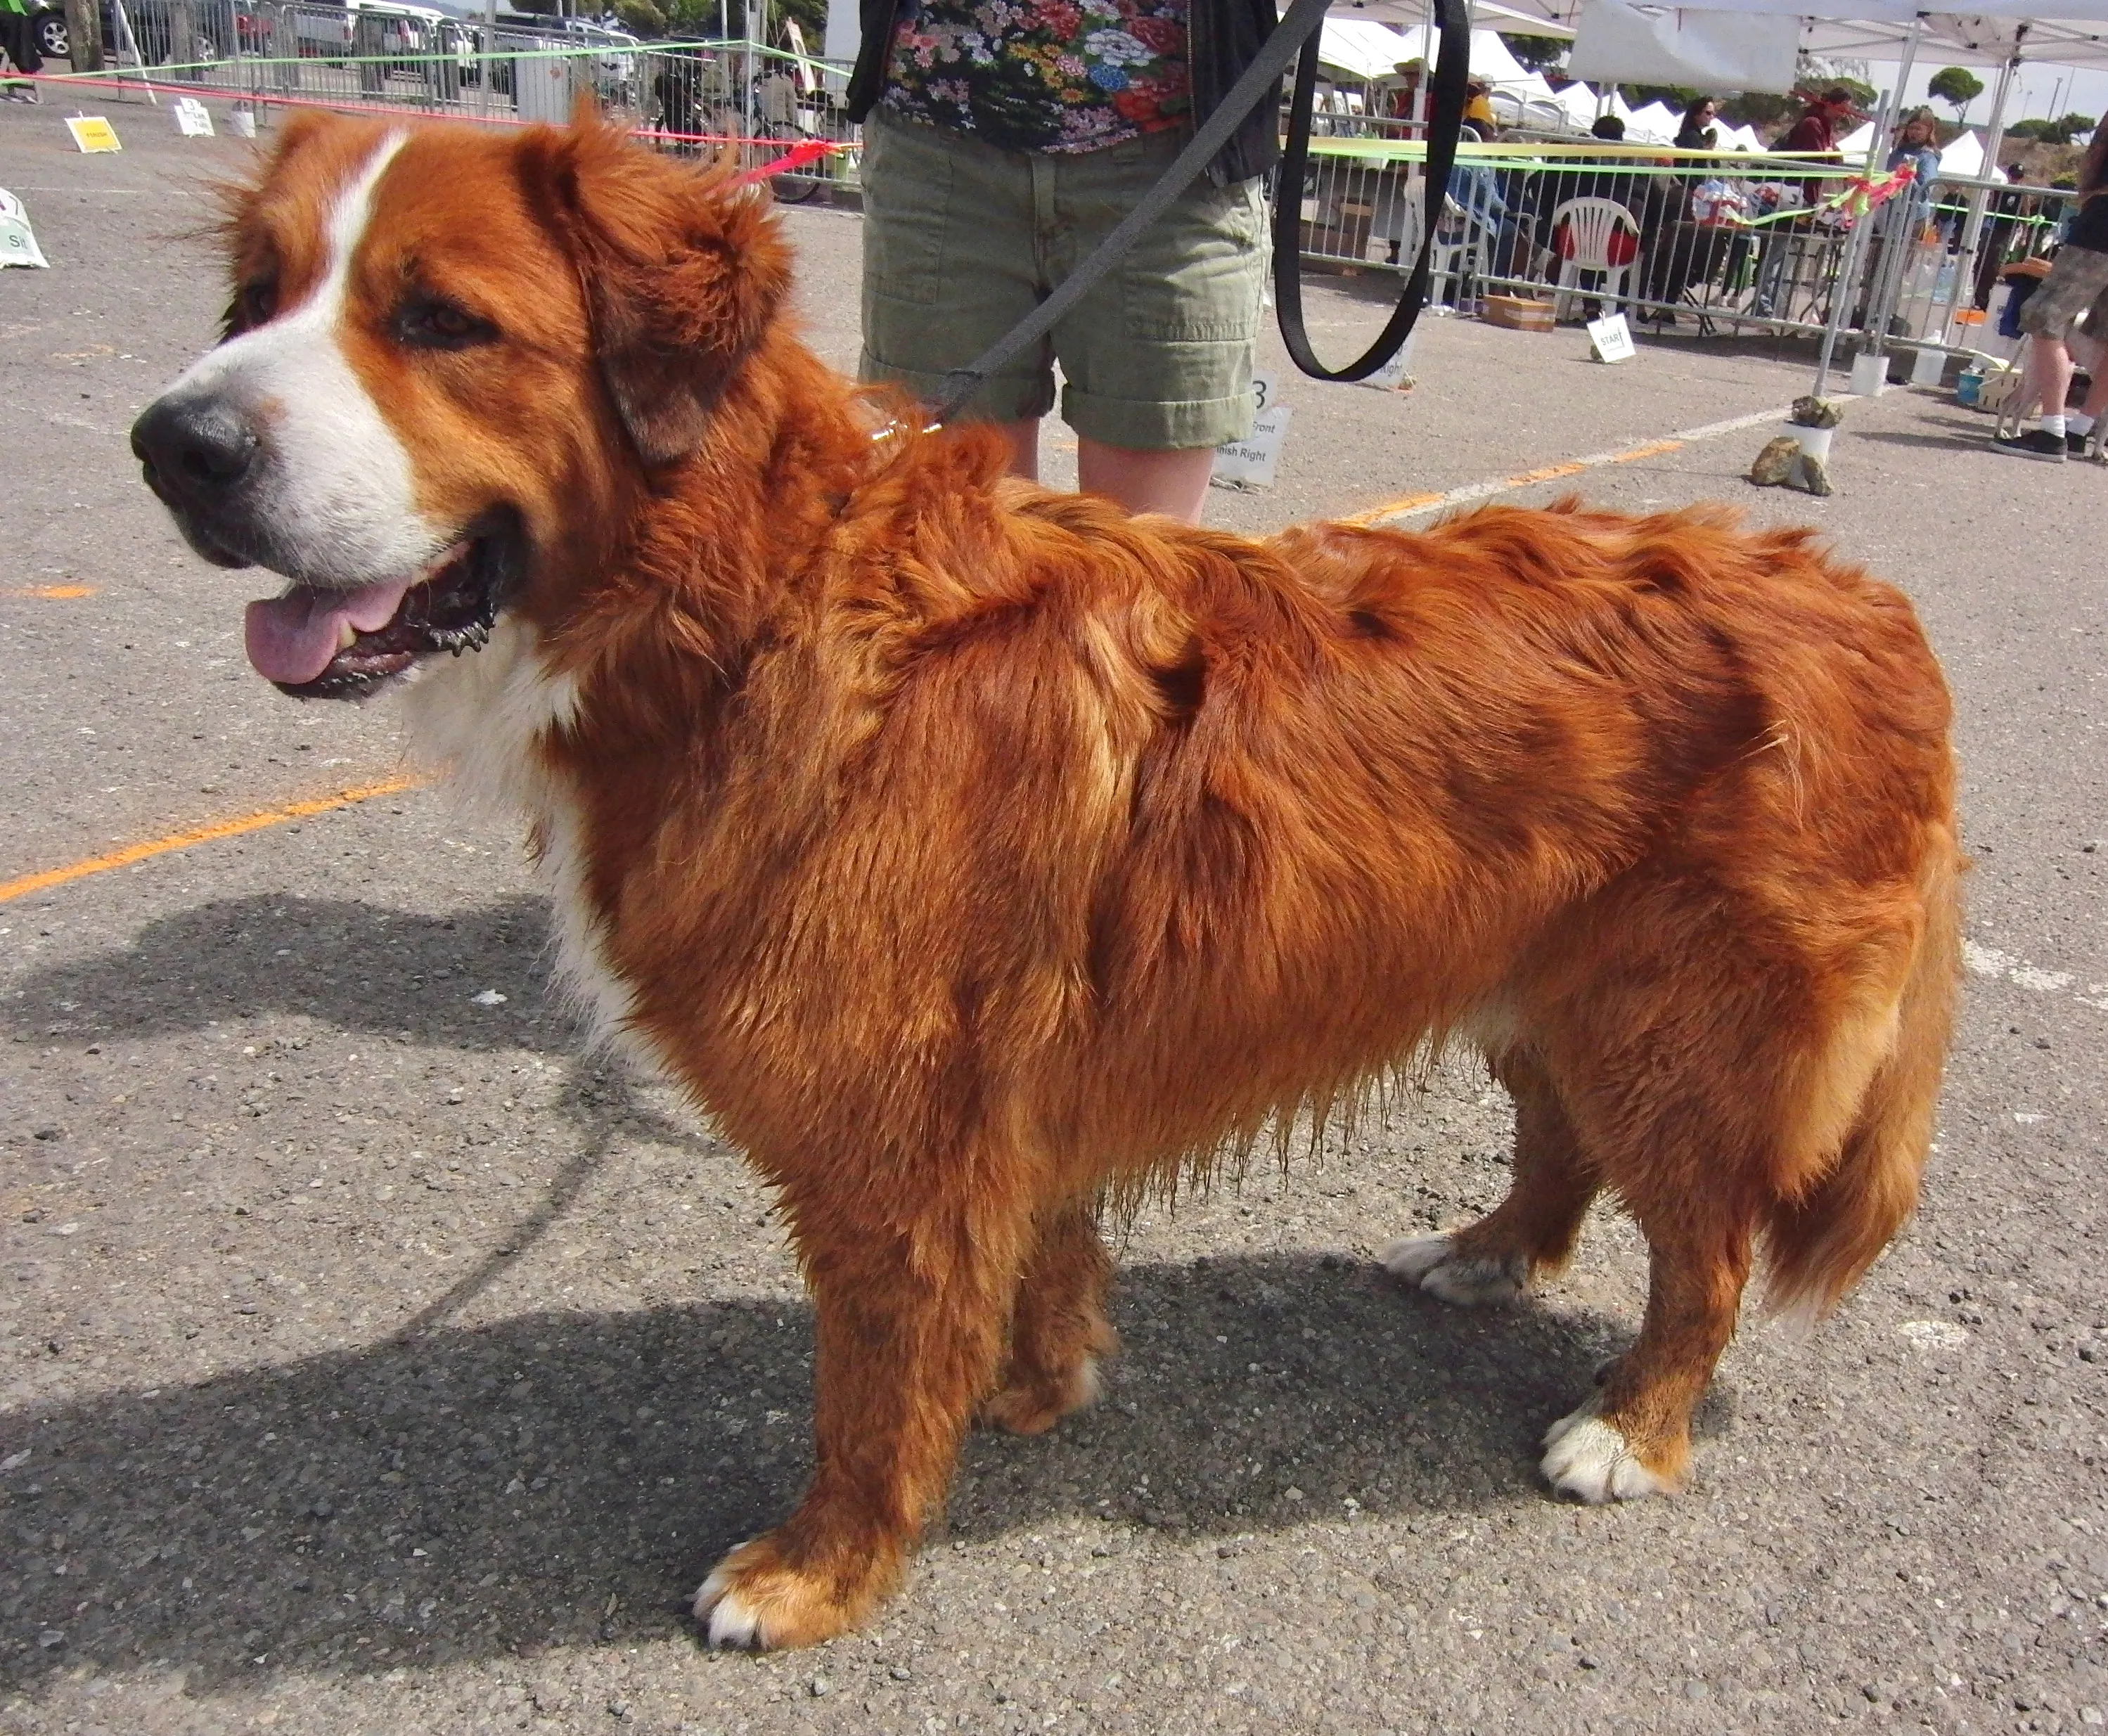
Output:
x=452 y=357
x=339 y=506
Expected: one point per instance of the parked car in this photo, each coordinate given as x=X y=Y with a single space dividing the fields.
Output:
x=376 y=26
x=48 y=19
x=154 y=26
x=614 y=67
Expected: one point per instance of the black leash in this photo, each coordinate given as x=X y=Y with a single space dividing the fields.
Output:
x=1298 y=30
x=1453 y=67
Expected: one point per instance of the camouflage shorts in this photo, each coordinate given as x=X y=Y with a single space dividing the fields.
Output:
x=2077 y=283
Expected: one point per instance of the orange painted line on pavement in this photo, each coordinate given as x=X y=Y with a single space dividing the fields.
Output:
x=1551 y=472
x=50 y=592
x=1651 y=450
x=1394 y=508
x=25 y=884
x=1471 y=491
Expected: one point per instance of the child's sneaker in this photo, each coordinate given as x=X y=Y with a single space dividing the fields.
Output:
x=2037 y=443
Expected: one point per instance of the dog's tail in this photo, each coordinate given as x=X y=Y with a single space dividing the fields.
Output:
x=1821 y=1241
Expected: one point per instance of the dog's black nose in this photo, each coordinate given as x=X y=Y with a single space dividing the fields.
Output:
x=196 y=449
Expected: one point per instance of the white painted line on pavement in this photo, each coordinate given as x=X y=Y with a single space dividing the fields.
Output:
x=1987 y=961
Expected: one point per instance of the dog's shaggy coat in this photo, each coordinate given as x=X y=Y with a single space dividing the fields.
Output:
x=977 y=855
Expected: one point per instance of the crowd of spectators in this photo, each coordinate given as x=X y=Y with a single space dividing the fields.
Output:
x=1683 y=237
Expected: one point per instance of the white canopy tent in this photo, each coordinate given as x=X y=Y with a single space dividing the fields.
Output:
x=1363 y=48
x=1580 y=105
x=1858 y=142
x=1491 y=61
x=1963 y=158
x=1655 y=123
x=1990 y=33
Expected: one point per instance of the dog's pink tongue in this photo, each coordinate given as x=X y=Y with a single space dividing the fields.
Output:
x=292 y=639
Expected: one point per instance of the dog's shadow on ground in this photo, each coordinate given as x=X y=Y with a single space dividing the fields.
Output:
x=361 y=967
x=564 y=1479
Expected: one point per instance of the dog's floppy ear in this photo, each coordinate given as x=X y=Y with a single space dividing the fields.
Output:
x=683 y=271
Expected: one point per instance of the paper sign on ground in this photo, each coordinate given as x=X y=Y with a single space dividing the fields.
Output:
x=18 y=244
x=1611 y=338
x=1399 y=369
x=93 y=134
x=193 y=119
x=1249 y=463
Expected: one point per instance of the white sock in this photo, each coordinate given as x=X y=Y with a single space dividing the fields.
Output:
x=2078 y=422
x=2053 y=424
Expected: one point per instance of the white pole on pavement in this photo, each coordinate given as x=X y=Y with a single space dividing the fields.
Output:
x=1855 y=247
x=1893 y=256
x=1994 y=136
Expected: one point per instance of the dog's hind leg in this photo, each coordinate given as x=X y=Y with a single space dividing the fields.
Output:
x=1687 y=1064
x=1632 y=1437
x=1058 y=1330
x=910 y=1298
x=1530 y=1232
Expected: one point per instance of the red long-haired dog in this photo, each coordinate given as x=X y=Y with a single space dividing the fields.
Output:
x=977 y=855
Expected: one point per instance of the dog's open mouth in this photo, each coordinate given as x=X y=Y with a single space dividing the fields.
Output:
x=320 y=643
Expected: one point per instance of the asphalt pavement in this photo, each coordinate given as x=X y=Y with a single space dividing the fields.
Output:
x=373 y=1359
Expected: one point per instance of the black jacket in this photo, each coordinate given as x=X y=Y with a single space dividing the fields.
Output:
x=1223 y=38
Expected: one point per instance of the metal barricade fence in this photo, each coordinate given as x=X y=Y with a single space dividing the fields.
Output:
x=1713 y=242
x=695 y=98
x=1941 y=275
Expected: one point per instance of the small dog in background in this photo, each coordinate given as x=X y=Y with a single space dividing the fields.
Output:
x=975 y=855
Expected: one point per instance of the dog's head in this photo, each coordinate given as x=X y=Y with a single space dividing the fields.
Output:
x=451 y=355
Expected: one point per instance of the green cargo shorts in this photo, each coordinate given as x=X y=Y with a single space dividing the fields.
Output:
x=961 y=241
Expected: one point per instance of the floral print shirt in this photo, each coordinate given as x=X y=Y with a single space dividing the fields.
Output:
x=1060 y=75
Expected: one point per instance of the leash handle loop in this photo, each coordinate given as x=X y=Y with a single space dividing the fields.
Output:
x=1453 y=67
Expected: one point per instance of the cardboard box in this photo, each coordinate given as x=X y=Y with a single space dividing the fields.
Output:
x=1517 y=312
x=1341 y=233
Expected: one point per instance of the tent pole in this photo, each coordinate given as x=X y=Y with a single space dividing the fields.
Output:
x=1880 y=299
x=1994 y=136
x=1855 y=247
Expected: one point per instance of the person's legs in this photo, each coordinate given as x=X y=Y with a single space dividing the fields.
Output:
x=1174 y=482
x=2096 y=397
x=2049 y=378
x=1023 y=437
x=2077 y=280
x=1158 y=356
x=949 y=265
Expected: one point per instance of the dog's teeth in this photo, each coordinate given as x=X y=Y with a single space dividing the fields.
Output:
x=347 y=636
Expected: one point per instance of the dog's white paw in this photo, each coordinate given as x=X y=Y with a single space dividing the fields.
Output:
x=727 y=1618
x=1432 y=1264
x=1587 y=1458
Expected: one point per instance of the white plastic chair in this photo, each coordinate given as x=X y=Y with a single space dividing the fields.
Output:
x=1459 y=251
x=1590 y=224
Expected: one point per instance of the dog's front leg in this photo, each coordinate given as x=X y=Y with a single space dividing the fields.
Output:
x=912 y=1313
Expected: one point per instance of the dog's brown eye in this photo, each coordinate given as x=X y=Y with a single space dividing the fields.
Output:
x=434 y=324
x=254 y=304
